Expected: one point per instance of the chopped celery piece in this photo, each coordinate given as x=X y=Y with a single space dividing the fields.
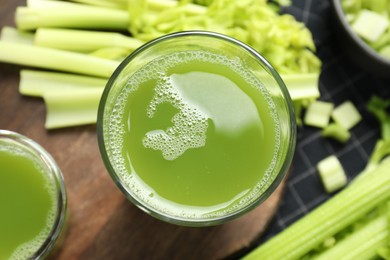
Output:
x=56 y=59
x=385 y=51
x=302 y=86
x=336 y=132
x=362 y=244
x=370 y=25
x=331 y=217
x=332 y=174
x=318 y=114
x=72 y=16
x=71 y=108
x=83 y=40
x=36 y=83
x=10 y=34
x=346 y=115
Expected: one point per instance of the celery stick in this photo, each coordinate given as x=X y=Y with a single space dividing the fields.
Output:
x=318 y=114
x=346 y=115
x=56 y=59
x=36 y=83
x=10 y=34
x=72 y=16
x=332 y=173
x=47 y=3
x=336 y=132
x=361 y=244
x=342 y=210
x=113 y=53
x=71 y=108
x=104 y=3
x=302 y=86
x=83 y=40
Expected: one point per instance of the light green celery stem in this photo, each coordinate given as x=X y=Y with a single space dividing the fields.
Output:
x=11 y=34
x=302 y=86
x=47 y=3
x=83 y=40
x=361 y=244
x=71 y=108
x=343 y=209
x=112 y=53
x=56 y=59
x=104 y=3
x=72 y=16
x=36 y=83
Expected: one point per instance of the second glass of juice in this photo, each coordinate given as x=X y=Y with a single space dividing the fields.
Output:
x=196 y=128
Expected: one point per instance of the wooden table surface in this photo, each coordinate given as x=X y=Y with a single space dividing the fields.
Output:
x=102 y=224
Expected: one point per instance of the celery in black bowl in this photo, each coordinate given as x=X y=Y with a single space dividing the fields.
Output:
x=362 y=28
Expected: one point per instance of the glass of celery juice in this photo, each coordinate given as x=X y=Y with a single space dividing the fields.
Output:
x=32 y=199
x=196 y=128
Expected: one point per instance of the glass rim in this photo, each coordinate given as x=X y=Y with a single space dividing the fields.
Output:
x=51 y=169
x=197 y=222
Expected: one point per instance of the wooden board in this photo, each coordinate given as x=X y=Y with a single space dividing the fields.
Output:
x=102 y=224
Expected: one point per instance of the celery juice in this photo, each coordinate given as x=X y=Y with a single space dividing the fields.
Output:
x=28 y=203
x=193 y=135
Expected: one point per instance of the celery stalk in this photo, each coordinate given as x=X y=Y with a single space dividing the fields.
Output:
x=36 y=83
x=113 y=53
x=10 y=34
x=361 y=244
x=83 y=40
x=342 y=210
x=302 y=86
x=346 y=115
x=71 y=108
x=47 y=3
x=336 y=132
x=104 y=3
x=318 y=114
x=56 y=59
x=72 y=16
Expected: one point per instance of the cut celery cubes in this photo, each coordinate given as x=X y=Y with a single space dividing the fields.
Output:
x=318 y=114
x=332 y=173
x=346 y=115
x=370 y=25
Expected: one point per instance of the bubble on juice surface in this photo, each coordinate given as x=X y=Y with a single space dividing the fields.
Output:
x=159 y=139
x=188 y=128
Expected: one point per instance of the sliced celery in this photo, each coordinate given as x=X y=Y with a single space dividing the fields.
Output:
x=56 y=59
x=337 y=132
x=104 y=3
x=346 y=115
x=347 y=206
x=11 y=34
x=318 y=114
x=362 y=244
x=72 y=16
x=83 y=40
x=36 y=83
x=302 y=85
x=370 y=25
x=71 y=108
x=332 y=173
x=113 y=53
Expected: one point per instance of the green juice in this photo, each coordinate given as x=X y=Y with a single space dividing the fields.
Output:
x=194 y=134
x=28 y=202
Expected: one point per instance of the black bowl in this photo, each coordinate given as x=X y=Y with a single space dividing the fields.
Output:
x=357 y=50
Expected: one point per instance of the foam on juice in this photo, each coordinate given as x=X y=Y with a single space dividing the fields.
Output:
x=189 y=125
x=172 y=140
x=27 y=249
